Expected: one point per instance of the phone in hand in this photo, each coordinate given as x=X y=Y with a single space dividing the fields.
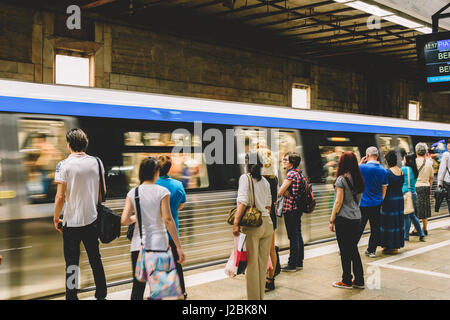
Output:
x=60 y=225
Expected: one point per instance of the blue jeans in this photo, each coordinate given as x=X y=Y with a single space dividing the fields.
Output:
x=412 y=217
x=293 y=223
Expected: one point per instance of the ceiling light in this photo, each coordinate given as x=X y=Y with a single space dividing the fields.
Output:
x=425 y=30
x=403 y=22
x=369 y=8
x=342 y=1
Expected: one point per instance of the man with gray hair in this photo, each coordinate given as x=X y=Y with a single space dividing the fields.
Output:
x=376 y=181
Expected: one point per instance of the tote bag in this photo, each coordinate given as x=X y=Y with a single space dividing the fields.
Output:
x=409 y=206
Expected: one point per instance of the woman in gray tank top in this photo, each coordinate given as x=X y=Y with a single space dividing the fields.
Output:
x=345 y=217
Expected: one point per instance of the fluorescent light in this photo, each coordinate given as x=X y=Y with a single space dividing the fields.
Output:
x=425 y=30
x=342 y=1
x=369 y=8
x=403 y=22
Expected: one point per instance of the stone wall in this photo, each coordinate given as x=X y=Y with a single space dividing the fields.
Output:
x=140 y=60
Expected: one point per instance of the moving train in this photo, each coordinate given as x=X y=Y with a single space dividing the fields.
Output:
x=206 y=139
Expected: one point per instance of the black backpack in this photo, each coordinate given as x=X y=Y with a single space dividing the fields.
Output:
x=305 y=196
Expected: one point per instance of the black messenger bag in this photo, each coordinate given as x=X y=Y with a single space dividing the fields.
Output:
x=108 y=221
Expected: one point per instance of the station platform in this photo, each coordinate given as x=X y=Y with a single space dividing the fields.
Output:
x=420 y=271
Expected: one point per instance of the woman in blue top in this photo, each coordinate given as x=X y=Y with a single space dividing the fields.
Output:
x=177 y=200
x=391 y=220
x=410 y=165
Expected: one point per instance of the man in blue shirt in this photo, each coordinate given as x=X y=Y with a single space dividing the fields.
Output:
x=376 y=181
x=177 y=200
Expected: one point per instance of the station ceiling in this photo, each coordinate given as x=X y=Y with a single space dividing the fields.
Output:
x=330 y=30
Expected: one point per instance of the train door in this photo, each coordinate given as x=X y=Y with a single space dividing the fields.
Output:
x=35 y=144
x=398 y=143
x=273 y=144
x=9 y=205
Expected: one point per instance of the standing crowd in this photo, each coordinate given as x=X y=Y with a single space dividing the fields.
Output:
x=389 y=199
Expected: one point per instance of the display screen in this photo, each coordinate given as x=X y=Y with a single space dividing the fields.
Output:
x=434 y=55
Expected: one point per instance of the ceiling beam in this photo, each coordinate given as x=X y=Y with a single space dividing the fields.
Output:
x=95 y=4
x=274 y=13
x=313 y=18
x=306 y=17
x=244 y=8
x=322 y=23
x=356 y=33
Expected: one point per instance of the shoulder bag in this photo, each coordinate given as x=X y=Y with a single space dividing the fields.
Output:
x=157 y=267
x=108 y=220
x=252 y=216
x=409 y=206
x=421 y=167
x=355 y=197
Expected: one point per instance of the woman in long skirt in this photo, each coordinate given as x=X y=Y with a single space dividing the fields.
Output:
x=392 y=219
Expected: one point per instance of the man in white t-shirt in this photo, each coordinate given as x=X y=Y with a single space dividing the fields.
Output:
x=77 y=177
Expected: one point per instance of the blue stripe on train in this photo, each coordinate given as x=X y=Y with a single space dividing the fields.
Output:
x=71 y=108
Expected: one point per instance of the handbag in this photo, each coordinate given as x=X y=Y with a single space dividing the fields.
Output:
x=355 y=196
x=157 y=267
x=440 y=194
x=252 y=216
x=408 y=205
x=108 y=221
x=241 y=255
x=130 y=231
x=280 y=205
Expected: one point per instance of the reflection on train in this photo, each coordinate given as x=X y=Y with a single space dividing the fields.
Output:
x=32 y=144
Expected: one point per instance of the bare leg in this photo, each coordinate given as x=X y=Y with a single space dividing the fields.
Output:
x=425 y=224
x=273 y=258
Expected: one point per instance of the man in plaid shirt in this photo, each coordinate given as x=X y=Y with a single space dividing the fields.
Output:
x=292 y=213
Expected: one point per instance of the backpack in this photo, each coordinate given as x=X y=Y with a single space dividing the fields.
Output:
x=305 y=196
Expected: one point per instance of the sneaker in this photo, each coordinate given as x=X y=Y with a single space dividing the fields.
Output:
x=299 y=268
x=288 y=269
x=340 y=284
x=371 y=254
x=422 y=239
x=426 y=232
x=358 y=286
x=367 y=253
x=414 y=233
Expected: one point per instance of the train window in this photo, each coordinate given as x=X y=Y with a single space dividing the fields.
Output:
x=286 y=143
x=250 y=140
x=73 y=70
x=158 y=139
x=386 y=144
x=257 y=139
x=42 y=144
x=330 y=158
x=190 y=169
x=403 y=143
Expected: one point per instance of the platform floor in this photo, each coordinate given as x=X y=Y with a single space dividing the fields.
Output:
x=421 y=270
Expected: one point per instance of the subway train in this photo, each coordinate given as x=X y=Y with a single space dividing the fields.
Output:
x=206 y=139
